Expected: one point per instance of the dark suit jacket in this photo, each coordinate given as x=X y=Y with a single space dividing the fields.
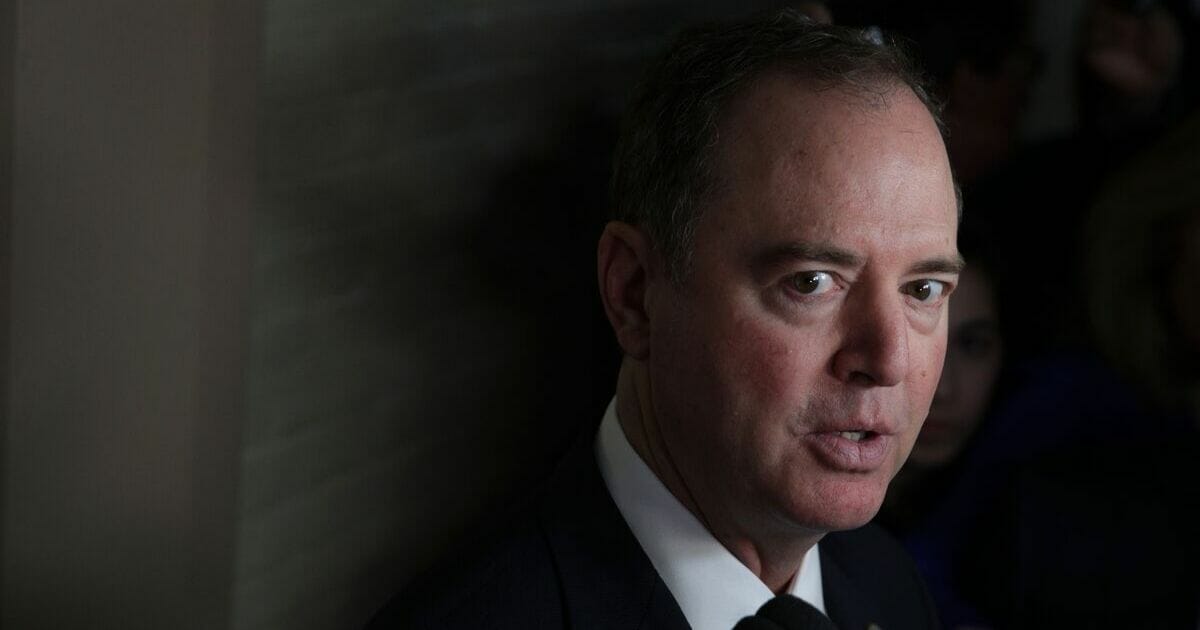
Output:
x=570 y=561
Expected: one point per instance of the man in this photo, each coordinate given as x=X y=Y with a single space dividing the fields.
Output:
x=777 y=278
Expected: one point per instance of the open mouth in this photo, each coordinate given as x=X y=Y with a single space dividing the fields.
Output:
x=851 y=451
x=856 y=436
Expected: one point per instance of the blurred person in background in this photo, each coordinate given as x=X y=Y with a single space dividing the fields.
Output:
x=973 y=358
x=1096 y=526
x=1133 y=62
x=974 y=355
x=982 y=62
x=1060 y=402
x=936 y=494
x=1131 y=58
x=1144 y=272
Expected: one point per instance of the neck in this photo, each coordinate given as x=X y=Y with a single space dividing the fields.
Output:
x=772 y=554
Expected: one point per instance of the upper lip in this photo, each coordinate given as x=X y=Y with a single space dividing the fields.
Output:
x=877 y=426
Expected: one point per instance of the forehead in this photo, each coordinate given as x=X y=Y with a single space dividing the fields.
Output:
x=828 y=164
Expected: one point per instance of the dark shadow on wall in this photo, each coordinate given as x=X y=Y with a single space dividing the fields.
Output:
x=526 y=267
x=536 y=253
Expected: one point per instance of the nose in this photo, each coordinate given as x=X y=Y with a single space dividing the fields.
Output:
x=874 y=343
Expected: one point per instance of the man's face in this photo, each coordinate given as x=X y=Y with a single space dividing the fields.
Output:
x=792 y=368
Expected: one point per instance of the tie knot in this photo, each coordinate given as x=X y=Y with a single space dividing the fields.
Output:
x=786 y=612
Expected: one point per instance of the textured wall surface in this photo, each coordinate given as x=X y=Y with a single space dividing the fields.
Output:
x=126 y=236
x=425 y=336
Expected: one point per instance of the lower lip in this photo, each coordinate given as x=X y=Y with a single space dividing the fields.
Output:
x=846 y=455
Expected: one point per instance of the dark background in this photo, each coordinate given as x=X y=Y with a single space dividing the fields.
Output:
x=295 y=291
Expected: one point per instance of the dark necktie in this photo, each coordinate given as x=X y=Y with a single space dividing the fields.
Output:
x=786 y=612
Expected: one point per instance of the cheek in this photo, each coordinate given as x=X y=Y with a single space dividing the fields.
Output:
x=727 y=365
x=927 y=372
x=771 y=362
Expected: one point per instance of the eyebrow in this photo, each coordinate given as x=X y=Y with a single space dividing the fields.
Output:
x=784 y=253
x=954 y=264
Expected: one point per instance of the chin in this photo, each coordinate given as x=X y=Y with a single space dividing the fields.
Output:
x=852 y=517
x=846 y=522
x=840 y=504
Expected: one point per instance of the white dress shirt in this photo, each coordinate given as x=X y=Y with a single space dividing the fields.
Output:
x=713 y=588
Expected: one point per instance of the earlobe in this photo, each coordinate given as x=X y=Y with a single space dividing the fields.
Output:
x=622 y=261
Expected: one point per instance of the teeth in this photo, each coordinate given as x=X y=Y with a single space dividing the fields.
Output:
x=853 y=435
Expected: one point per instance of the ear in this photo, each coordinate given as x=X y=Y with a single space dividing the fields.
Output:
x=623 y=262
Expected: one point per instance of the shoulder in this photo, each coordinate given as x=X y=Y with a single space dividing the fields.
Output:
x=869 y=564
x=568 y=560
x=562 y=555
x=506 y=582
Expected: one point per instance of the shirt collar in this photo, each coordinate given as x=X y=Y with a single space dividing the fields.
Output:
x=712 y=587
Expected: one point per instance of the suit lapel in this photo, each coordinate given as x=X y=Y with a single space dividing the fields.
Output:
x=608 y=582
x=846 y=603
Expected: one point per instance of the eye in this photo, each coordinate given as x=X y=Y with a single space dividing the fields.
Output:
x=812 y=282
x=926 y=290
